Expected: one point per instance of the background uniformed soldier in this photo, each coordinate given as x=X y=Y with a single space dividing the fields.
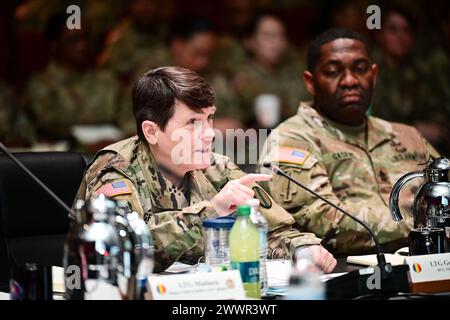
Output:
x=69 y=91
x=413 y=84
x=272 y=67
x=191 y=44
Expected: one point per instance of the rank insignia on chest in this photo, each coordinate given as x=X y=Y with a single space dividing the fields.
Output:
x=114 y=189
x=292 y=155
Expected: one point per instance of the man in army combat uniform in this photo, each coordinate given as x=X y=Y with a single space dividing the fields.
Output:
x=352 y=159
x=174 y=196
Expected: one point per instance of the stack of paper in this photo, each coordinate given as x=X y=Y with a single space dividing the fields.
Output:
x=278 y=272
x=371 y=259
x=178 y=267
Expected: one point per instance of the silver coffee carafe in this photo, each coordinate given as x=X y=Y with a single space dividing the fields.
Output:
x=108 y=252
x=431 y=210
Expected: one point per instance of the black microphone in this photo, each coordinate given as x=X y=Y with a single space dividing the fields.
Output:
x=35 y=179
x=380 y=255
x=386 y=270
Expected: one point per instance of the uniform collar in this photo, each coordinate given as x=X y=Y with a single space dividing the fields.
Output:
x=194 y=188
x=378 y=131
x=164 y=194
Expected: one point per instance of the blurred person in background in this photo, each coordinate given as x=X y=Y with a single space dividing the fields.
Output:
x=31 y=16
x=413 y=88
x=349 y=14
x=69 y=91
x=231 y=53
x=136 y=37
x=273 y=69
x=191 y=43
x=101 y=14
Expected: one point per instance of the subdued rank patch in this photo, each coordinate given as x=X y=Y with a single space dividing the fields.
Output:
x=263 y=197
x=292 y=155
x=114 y=189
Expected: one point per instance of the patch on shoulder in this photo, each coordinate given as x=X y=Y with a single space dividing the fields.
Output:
x=291 y=155
x=263 y=197
x=115 y=188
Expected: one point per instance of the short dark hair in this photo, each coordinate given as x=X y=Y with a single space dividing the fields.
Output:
x=328 y=36
x=155 y=92
x=187 y=27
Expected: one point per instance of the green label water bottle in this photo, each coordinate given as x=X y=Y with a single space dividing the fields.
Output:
x=244 y=251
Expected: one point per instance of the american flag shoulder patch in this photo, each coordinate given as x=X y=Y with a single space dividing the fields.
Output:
x=292 y=155
x=113 y=189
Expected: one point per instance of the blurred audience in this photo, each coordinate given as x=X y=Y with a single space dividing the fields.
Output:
x=412 y=88
x=34 y=14
x=230 y=53
x=69 y=91
x=191 y=44
x=31 y=16
x=83 y=77
x=135 y=38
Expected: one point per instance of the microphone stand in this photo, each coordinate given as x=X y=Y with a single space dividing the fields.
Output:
x=391 y=278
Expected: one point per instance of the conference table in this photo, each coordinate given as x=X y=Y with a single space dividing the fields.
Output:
x=278 y=275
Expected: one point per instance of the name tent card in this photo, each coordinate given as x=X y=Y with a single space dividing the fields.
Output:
x=429 y=273
x=226 y=285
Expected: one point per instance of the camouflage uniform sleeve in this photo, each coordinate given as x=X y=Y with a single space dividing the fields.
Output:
x=179 y=232
x=338 y=232
x=283 y=237
x=100 y=174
